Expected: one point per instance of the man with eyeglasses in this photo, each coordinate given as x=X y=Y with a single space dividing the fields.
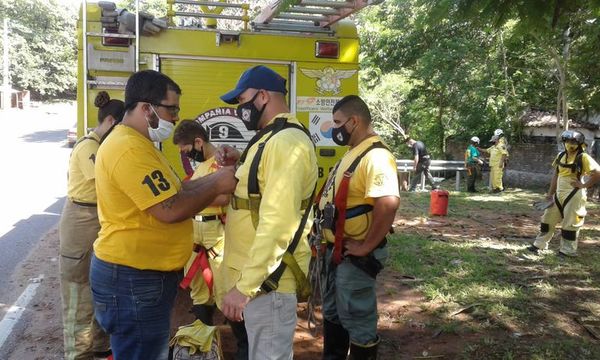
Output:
x=145 y=214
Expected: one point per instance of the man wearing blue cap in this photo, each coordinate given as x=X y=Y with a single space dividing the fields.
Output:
x=268 y=212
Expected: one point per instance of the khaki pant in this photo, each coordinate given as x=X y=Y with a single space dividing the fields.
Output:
x=209 y=234
x=83 y=336
x=574 y=214
x=270 y=323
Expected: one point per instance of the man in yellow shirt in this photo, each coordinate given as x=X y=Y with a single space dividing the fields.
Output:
x=354 y=215
x=272 y=195
x=145 y=216
x=568 y=193
x=79 y=226
x=498 y=155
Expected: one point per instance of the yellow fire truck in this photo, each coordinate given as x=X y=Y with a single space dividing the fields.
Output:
x=308 y=42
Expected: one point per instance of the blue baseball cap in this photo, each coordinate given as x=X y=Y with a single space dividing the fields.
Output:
x=258 y=77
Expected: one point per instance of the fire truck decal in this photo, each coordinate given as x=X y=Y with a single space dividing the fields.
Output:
x=320 y=128
x=225 y=128
x=329 y=80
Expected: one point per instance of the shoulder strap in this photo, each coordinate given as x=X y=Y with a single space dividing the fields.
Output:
x=87 y=137
x=375 y=145
x=278 y=125
x=340 y=201
x=272 y=281
x=579 y=164
x=82 y=139
x=576 y=166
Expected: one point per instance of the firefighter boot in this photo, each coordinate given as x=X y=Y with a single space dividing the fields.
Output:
x=204 y=313
x=364 y=352
x=239 y=331
x=336 y=341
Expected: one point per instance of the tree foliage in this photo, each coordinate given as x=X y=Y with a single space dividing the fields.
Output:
x=462 y=68
x=42 y=46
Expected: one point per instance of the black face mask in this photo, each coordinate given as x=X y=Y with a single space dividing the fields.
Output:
x=340 y=135
x=249 y=114
x=197 y=156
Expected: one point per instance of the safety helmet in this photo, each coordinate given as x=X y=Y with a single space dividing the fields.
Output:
x=573 y=135
x=475 y=139
x=498 y=132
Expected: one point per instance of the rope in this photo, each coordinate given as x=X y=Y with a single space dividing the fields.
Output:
x=314 y=276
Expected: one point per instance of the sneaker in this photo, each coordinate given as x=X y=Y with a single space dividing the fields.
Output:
x=534 y=249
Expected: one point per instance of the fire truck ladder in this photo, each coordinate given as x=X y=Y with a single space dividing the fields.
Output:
x=119 y=61
x=209 y=10
x=314 y=16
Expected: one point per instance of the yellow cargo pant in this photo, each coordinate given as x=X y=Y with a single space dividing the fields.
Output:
x=574 y=214
x=83 y=336
x=211 y=235
x=496 y=173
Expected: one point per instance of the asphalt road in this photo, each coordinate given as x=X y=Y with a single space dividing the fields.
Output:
x=33 y=162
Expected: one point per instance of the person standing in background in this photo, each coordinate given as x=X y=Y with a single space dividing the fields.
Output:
x=84 y=339
x=473 y=164
x=421 y=163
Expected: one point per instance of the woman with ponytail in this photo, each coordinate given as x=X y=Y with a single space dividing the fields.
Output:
x=79 y=226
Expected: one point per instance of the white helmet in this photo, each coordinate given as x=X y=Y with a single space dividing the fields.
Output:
x=475 y=139
x=498 y=132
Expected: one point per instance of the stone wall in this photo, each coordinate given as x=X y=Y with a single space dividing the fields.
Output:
x=528 y=167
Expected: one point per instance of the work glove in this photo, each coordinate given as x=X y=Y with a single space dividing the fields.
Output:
x=147 y=23
x=543 y=204
x=107 y=6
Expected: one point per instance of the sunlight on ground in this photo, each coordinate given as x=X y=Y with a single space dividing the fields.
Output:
x=477 y=273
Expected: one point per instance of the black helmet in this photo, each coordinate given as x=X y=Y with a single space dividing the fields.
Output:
x=573 y=135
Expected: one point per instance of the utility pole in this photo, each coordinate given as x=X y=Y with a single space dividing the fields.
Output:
x=6 y=88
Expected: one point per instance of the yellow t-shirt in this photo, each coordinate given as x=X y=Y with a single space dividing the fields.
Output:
x=131 y=176
x=81 y=185
x=588 y=164
x=204 y=168
x=287 y=175
x=374 y=177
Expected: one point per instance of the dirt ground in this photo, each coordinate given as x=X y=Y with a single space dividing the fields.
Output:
x=405 y=316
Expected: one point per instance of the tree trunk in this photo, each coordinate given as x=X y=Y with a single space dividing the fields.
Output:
x=506 y=79
x=440 y=122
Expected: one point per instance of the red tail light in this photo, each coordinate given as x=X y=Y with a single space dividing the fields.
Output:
x=327 y=49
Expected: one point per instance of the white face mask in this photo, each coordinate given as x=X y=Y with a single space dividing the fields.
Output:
x=163 y=131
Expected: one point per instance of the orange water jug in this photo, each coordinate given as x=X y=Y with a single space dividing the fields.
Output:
x=438 y=204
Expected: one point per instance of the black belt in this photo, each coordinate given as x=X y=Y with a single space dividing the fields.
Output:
x=84 y=204
x=207 y=218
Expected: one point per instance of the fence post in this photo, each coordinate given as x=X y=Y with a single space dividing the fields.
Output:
x=457 y=180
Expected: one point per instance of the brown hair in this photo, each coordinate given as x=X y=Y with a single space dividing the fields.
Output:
x=107 y=106
x=187 y=131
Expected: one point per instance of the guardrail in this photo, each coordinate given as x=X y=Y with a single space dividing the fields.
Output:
x=436 y=165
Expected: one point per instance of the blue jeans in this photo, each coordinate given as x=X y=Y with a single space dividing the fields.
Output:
x=134 y=307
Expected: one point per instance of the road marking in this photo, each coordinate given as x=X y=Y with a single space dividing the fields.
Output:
x=14 y=313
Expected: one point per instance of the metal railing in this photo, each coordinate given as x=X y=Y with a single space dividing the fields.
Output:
x=406 y=166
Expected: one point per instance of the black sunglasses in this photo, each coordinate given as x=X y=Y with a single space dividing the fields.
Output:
x=173 y=109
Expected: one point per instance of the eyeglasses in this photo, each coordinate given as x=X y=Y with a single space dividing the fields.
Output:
x=173 y=109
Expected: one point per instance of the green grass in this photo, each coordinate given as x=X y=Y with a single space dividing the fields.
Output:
x=510 y=290
x=548 y=349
